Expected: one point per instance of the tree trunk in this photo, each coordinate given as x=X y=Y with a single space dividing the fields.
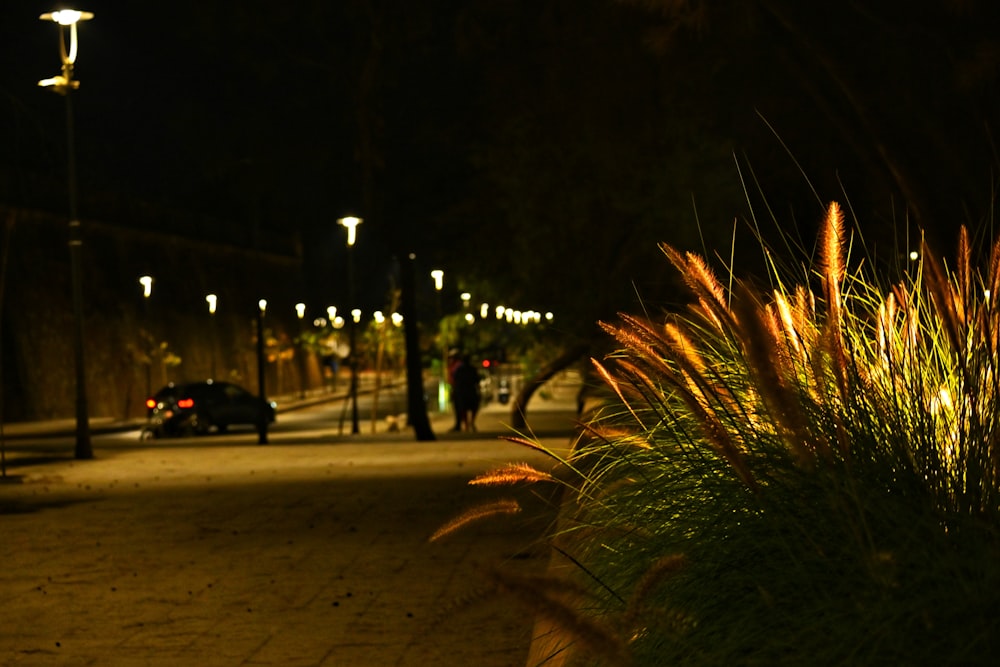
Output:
x=518 y=411
x=416 y=405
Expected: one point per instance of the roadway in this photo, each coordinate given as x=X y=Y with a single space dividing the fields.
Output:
x=312 y=550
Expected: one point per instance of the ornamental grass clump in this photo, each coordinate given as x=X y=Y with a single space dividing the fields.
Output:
x=808 y=474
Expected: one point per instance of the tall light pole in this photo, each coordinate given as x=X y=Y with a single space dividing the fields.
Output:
x=261 y=374
x=351 y=224
x=300 y=350
x=444 y=385
x=63 y=84
x=147 y=291
x=213 y=302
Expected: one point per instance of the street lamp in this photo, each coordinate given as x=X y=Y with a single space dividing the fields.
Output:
x=351 y=223
x=213 y=302
x=63 y=84
x=261 y=373
x=443 y=385
x=300 y=313
x=147 y=291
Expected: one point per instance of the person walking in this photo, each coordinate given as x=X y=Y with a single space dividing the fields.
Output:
x=454 y=361
x=465 y=388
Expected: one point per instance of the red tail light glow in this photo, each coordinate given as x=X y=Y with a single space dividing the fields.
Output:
x=185 y=403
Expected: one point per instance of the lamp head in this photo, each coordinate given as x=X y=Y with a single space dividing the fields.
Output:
x=67 y=16
x=351 y=223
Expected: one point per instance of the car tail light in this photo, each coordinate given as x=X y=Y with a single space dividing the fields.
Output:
x=185 y=403
x=150 y=403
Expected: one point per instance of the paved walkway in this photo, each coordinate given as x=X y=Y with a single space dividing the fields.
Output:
x=206 y=552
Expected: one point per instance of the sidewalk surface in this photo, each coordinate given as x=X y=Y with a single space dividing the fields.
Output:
x=220 y=551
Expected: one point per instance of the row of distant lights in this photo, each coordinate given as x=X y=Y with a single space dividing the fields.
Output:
x=338 y=322
x=501 y=313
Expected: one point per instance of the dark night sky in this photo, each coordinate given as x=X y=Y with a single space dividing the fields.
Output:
x=246 y=113
x=488 y=116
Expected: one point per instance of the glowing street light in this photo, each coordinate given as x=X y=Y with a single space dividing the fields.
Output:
x=351 y=224
x=443 y=385
x=147 y=291
x=63 y=84
x=261 y=374
x=66 y=18
x=300 y=310
x=213 y=302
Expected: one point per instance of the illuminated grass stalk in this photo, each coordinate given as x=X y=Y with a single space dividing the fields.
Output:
x=809 y=475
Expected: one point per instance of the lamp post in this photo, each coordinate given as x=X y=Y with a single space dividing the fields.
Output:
x=351 y=224
x=300 y=314
x=444 y=385
x=63 y=84
x=213 y=302
x=147 y=291
x=261 y=374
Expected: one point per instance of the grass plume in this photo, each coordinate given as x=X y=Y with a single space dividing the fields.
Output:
x=511 y=473
x=477 y=513
x=818 y=479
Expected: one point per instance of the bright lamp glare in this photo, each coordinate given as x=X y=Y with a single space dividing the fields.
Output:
x=67 y=16
x=351 y=223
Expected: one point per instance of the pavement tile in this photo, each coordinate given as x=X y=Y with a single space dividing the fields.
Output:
x=292 y=554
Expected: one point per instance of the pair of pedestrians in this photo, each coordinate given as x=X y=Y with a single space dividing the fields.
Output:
x=465 y=396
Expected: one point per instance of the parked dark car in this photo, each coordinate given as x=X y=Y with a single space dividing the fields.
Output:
x=197 y=408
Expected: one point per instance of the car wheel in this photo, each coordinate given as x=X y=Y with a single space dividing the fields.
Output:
x=201 y=424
